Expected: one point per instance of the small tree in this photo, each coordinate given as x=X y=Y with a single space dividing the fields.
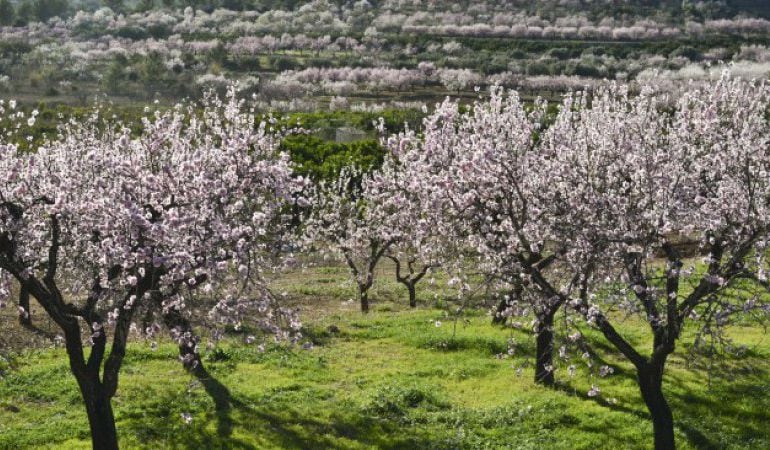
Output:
x=345 y=220
x=98 y=226
x=419 y=248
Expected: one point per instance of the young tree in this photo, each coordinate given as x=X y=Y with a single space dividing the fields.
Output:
x=627 y=181
x=346 y=219
x=98 y=226
x=419 y=248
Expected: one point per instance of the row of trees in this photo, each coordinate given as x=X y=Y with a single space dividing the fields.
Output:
x=583 y=212
x=579 y=212
x=445 y=18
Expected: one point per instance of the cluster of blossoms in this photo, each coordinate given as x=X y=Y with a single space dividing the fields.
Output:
x=604 y=205
x=175 y=52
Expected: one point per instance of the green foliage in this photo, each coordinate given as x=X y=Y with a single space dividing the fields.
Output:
x=319 y=157
x=395 y=401
x=51 y=116
x=7 y=13
x=323 y=160
x=282 y=63
x=394 y=120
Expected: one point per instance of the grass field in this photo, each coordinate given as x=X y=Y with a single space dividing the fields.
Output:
x=397 y=378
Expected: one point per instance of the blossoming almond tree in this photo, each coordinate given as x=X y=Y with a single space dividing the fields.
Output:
x=475 y=169
x=627 y=181
x=419 y=247
x=346 y=219
x=98 y=225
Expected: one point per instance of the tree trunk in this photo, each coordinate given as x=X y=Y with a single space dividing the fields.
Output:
x=191 y=359
x=96 y=397
x=498 y=318
x=544 y=353
x=104 y=436
x=363 y=295
x=25 y=318
x=650 y=385
x=412 y=295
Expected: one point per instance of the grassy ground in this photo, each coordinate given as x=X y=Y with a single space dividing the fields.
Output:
x=392 y=379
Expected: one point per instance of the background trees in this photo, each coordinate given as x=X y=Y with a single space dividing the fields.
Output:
x=591 y=211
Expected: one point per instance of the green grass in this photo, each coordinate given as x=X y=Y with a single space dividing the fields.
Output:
x=392 y=379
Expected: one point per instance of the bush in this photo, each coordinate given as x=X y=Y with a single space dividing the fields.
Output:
x=395 y=401
x=323 y=160
x=283 y=63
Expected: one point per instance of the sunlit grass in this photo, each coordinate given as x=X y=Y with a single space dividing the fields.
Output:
x=392 y=379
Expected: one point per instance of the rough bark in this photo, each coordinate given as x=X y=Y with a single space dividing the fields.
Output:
x=363 y=296
x=101 y=420
x=412 y=295
x=25 y=318
x=650 y=384
x=544 y=351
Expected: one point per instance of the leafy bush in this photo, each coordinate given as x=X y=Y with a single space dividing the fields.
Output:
x=320 y=159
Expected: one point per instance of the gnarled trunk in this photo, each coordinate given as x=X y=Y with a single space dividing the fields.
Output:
x=25 y=315
x=412 y=295
x=97 y=399
x=101 y=420
x=544 y=351
x=650 y=384
x=410 y=287
x=363 y=296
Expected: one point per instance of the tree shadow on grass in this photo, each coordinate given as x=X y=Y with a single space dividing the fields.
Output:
x=695 y=411
x=222 y=399
x=300 y=431
x=694 y=436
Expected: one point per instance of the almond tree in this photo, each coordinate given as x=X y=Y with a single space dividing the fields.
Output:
x=475 y=170
x=99 y=225
x=623 y=182
x=420 y=248
x=345 y=220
